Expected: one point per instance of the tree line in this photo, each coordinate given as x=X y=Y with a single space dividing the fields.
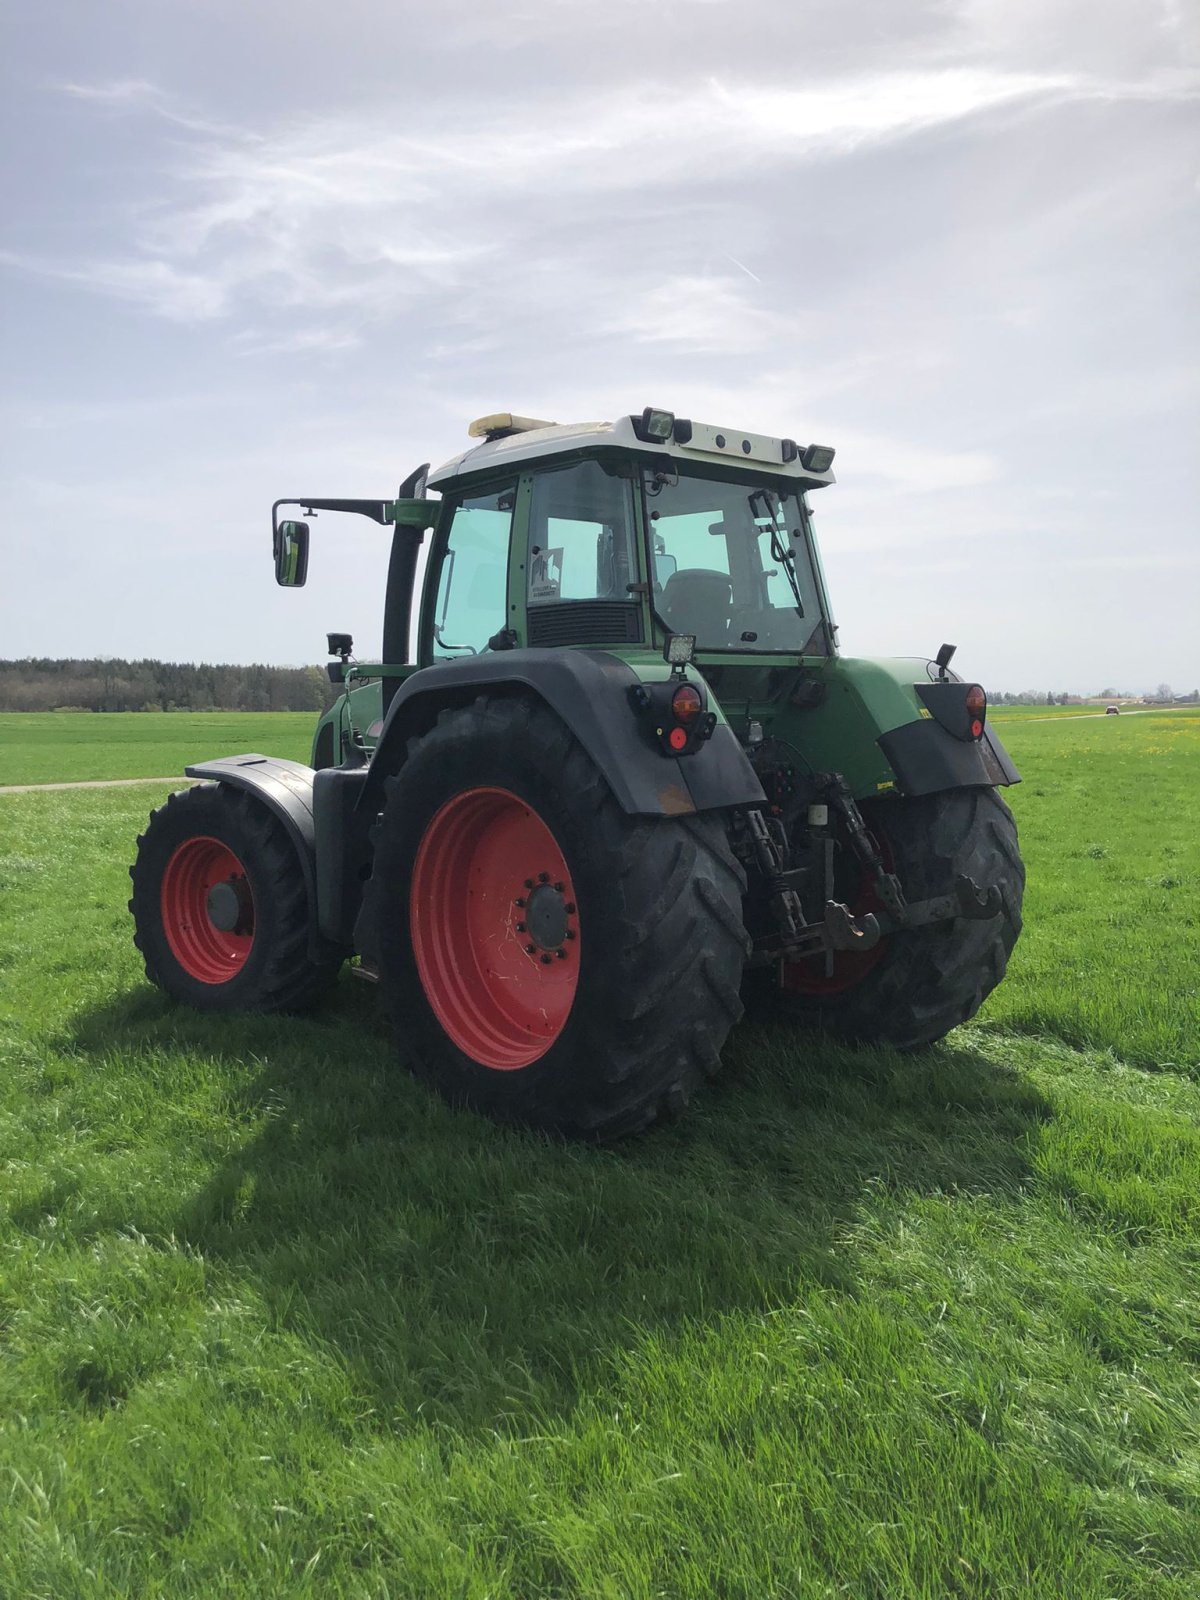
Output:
x=1163 y=695
x=41 y=684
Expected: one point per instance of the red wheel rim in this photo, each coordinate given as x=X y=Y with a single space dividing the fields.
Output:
x=850 y=967
x=203 y=881
x=494 y=928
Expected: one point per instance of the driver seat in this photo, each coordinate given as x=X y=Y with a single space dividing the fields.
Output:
x=699 y=601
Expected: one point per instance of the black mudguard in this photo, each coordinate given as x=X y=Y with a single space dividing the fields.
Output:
x=926 y=758
x=589 y=691
x=286 y=789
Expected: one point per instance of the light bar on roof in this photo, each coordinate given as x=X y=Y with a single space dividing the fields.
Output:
x=503 y=423
x=733 y=442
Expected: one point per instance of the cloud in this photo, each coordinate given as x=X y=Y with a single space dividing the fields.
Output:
x=700 y=314
x=299 y=341
x=118 y=92
x=155 y=285
x=842 y=116
x=350 y=216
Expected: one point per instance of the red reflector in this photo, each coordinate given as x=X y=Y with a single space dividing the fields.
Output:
x=976 y=701
x=977 y=729
x=677 y=738
x=686 y=703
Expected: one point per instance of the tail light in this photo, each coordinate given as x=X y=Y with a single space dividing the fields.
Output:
x=686 y=704
x=674 y=715
x=977 y=709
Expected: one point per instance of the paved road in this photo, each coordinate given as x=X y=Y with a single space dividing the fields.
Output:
x=91 y=783
x=1082 y=716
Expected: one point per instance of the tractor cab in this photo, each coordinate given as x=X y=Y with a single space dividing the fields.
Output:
x=624 y=533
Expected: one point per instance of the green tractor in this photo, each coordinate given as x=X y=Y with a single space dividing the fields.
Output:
x=626 y=787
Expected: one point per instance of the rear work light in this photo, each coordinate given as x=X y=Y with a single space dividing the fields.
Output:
x=679 y=649
x=976 y=709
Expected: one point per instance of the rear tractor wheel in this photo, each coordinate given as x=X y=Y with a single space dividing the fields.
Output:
x=546 y=958
x=220 y=908
x=912 y=988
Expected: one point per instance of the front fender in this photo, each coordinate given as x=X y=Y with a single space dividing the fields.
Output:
x=589 y=691
x=286 y=789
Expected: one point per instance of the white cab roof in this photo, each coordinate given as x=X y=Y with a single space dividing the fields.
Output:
x=708 y=443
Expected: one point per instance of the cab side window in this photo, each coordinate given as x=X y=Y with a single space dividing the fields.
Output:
x=473 y=583
x=580 y=536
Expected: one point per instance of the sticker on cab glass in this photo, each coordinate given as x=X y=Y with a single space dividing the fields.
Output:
x=545 y=574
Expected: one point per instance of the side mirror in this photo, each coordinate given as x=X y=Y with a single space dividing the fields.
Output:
x=291 y=554
x=665 y=567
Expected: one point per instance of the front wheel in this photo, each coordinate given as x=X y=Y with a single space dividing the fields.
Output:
x=548 y=959
x=220 y=908
x=912 y=988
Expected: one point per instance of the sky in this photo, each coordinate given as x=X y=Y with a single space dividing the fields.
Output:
x=257 y=247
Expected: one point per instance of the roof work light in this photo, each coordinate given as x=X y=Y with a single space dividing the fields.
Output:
x=654 y=427
x=817 y=457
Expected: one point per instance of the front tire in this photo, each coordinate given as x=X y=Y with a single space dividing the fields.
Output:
x=220 y=908
x=546 y=958
x=913 y=988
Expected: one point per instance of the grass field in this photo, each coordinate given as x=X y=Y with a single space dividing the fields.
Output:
x=273 y=1321
x=54 y=747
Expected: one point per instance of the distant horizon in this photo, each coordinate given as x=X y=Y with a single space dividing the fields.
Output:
x=319 y=664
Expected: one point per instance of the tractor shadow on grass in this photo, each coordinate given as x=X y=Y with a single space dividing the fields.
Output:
x=481 y=1276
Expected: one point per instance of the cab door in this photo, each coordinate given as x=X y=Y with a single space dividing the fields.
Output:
x=465 y=601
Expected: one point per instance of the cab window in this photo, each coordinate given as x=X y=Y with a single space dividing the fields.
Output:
x=732 y=564
x=473 y=583
x=580 y=535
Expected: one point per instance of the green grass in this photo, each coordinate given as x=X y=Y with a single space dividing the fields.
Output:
x=1109 y=815
x=274 y=1321
x=60 y=747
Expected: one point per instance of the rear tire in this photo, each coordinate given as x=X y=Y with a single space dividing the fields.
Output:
x=915 y=987
x=590 y=1010
x=215 y=852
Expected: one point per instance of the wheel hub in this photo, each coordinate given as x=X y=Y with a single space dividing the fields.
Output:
x=546 y=917
x=229 y=906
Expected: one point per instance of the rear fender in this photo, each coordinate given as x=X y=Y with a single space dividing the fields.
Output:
x=589 y=691
x=867 y=720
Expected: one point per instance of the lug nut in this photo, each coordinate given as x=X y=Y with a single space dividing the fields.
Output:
x=561 y=954
x=570 y=908
x=545 y=961
x=560 y=887
x=529 y=883
x=543 y=877
x=519 y=902
x=531 y=949
x=520 y=927
x=570 y=933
